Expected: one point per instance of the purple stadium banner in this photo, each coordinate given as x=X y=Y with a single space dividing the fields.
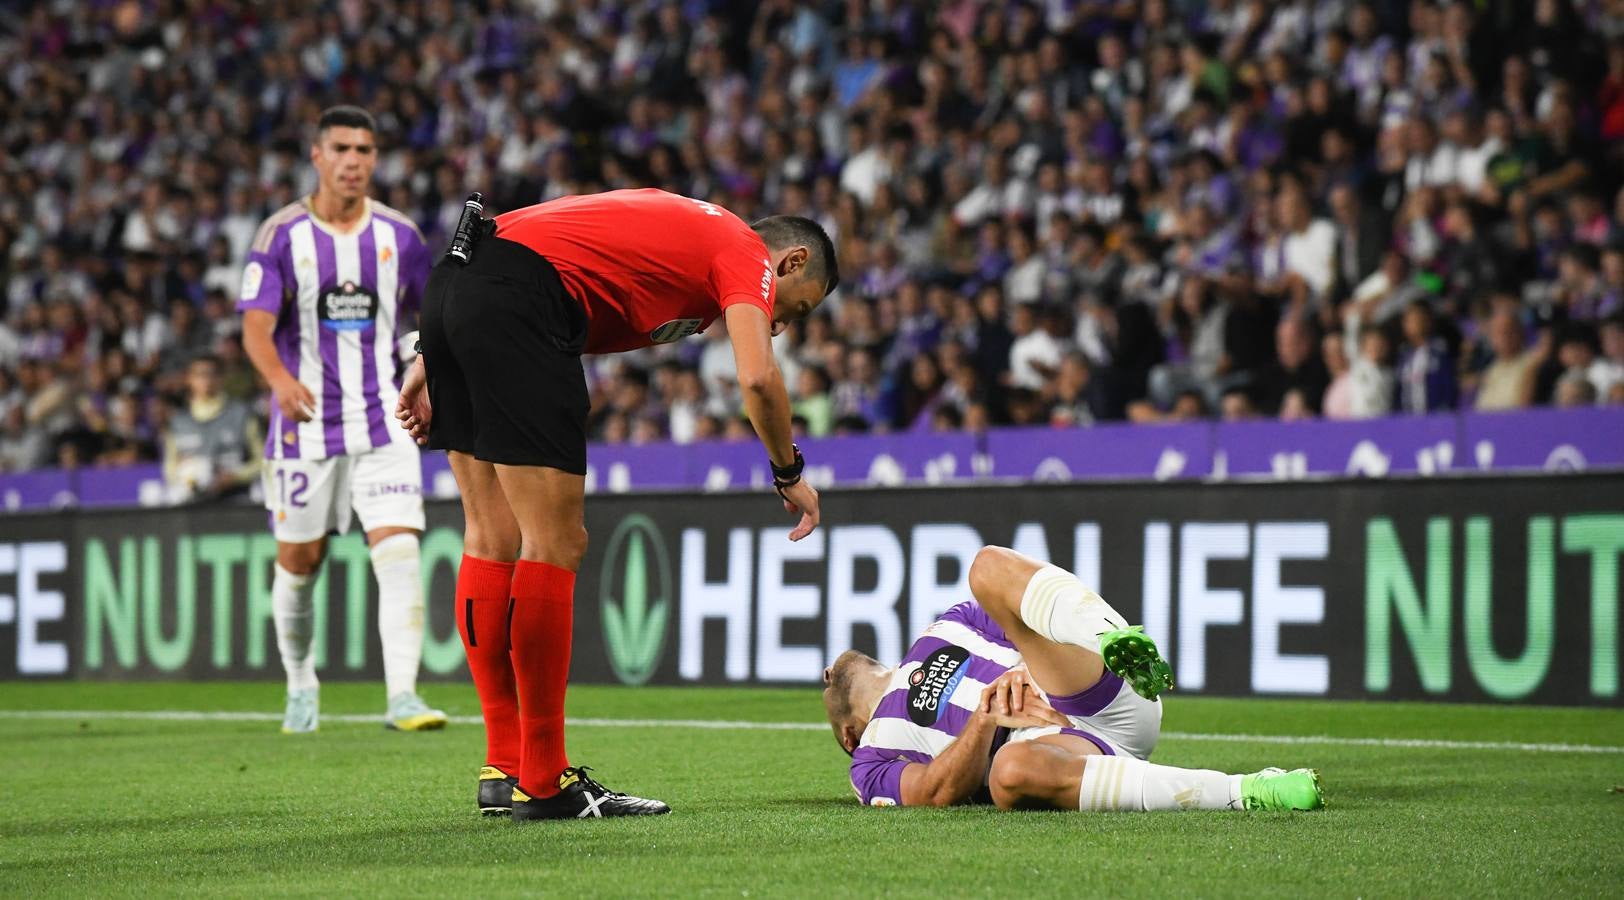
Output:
x=45 y=489
x=1116 y=451
x=1532 y=440
x=1399 y=446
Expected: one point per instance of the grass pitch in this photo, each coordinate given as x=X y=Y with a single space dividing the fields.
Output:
x=106 y=806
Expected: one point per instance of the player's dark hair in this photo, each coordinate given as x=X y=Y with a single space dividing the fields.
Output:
x=790 y=231
x=345 y=117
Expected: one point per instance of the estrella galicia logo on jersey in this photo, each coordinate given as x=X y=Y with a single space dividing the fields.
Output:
x=348 y=307
x=933 y=682
x=635 y=567
x=674 y=330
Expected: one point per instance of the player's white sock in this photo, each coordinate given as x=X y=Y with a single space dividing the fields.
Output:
x=1057 y=606
x=400 y=610
x=1125 y=783
x=294 y=614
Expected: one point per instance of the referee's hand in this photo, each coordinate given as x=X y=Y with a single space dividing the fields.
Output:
x=412 y=409
x=802 y=498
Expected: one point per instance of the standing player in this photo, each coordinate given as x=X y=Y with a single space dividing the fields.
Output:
x=959 y=720
x=502 y=340
x=329 y=281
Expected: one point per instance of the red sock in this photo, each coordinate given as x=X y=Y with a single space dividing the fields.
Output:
x=543 y=613
x=482 y=618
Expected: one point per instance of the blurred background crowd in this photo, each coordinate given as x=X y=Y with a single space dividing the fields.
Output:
x=1056 y=212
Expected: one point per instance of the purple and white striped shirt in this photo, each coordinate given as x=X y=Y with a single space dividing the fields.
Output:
x=929 y=700
x=338 y=299
x=937 y=688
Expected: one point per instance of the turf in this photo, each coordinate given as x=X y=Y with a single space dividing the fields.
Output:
x=92 y=805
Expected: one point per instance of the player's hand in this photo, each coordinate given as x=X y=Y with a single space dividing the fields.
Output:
x=802 y=498
x=1013 y=701
x=294 y=399
x=412 y=409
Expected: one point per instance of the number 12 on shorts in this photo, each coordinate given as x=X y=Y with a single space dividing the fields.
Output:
x=299 y=481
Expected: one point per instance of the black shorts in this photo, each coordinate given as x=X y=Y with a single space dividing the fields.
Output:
x=502 y=342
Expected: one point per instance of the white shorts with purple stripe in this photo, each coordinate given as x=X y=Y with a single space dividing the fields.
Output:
x=1110 y=715
x=311 y=498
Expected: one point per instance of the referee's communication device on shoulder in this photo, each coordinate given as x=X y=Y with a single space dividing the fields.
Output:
x=472 y=226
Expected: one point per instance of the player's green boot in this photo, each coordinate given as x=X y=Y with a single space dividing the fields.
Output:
x=303 y=712
x=1133 y=656
x=1279 y=789
x=408 y=712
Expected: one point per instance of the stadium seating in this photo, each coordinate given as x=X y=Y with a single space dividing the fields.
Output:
x=1048 y=213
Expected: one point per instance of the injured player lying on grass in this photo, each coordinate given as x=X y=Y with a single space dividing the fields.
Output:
x=1036 y=696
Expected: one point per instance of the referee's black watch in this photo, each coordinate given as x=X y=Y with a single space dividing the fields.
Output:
x=790 y=475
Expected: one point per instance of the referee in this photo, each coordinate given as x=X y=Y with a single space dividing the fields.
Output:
x=502 y=337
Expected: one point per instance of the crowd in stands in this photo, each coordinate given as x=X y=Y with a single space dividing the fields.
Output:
x=1052 y=212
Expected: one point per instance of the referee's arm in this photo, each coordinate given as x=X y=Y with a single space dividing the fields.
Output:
x=767 y=403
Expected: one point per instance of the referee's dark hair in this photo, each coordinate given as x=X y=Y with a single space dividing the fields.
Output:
x=786 y=231
x=345 y=117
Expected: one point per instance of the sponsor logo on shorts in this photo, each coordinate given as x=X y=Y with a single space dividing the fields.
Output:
x=348 y=307
x=384 y=490
x=252 y=276
x=933 y=682
x=675 y=330
x=881 y=801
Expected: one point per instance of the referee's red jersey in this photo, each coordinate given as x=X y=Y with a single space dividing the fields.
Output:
x=650 y=267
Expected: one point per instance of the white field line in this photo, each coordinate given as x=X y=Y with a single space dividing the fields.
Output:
x=181 y=715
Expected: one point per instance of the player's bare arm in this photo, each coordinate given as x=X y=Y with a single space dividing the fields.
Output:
x=961 y=770
x=294 y=399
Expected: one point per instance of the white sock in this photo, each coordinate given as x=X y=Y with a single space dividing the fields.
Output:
x=1057 y=606
x=400 y=610
x=294 y=615
x=1125 y=783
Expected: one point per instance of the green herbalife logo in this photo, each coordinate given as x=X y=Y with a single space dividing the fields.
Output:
x=637 y=569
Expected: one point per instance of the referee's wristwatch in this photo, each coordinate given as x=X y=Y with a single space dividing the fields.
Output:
x=785 y=477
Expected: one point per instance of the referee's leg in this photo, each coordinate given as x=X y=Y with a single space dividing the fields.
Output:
x=484 y=581
x=548 y=505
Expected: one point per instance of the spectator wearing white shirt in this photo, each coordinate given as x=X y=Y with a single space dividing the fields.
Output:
x=1464 y=130
x=1612 y=353
x=1309 y=244
x=1023 y=283
x=1430 y=162
x=1579 y=359
x=999 y=195
x=866 y=164
x=1371 y=394
x=1035 y=354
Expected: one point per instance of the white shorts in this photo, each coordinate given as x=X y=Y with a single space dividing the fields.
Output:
x=1126 y=725
x=311 y=498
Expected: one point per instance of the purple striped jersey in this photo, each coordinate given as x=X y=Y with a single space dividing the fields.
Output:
x=340 y=300
x=929 y=700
